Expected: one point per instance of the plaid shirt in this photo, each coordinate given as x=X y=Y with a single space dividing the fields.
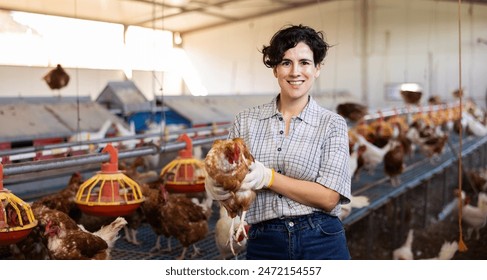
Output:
x=316 y=150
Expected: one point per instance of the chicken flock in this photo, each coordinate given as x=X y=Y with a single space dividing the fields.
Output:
x=64 y=232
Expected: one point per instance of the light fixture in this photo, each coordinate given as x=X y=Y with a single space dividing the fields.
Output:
x=178 y=40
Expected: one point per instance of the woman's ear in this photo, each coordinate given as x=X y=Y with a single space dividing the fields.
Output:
x=274 y=71
x=318 y=70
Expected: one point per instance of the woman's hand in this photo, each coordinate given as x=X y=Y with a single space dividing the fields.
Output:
x=259 y=177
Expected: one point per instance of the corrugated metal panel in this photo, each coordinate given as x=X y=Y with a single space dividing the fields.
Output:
x=223 y=108
x=24 y=122
x=123 y=95
x=209 y=109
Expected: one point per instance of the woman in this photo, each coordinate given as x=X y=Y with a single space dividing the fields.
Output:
x=301 y=152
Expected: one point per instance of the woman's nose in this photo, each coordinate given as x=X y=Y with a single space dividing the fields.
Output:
x=295 y=70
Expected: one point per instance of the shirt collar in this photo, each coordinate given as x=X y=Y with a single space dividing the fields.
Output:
x=309 y=114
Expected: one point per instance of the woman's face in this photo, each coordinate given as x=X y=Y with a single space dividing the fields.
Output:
x=297 y=71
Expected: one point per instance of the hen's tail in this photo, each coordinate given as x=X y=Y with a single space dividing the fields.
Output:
x=109 y=233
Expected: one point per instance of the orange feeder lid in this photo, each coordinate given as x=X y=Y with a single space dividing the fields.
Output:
x=185 y=174
x=16 y=217
x=110 y=192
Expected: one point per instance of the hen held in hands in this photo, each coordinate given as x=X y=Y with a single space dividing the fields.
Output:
x=227 y=164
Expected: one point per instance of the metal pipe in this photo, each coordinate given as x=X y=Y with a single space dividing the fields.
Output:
x=209 y=129
x=42 y=165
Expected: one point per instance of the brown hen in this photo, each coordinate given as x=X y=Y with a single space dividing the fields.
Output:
x=352 y=111
x=227 y=163
x=68 y=241
x=394 y=163
x=64 y=199
x=174 y=215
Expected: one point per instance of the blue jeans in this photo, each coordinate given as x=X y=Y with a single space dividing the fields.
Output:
x=316 y=236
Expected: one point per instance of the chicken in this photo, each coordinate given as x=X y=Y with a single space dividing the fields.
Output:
x=174 y=215
x=64 y=199
x=352 y=111
x=405 y=252
x=435 y=100
x=134 y=221
x=67 y=240
x=227 y=163
x=33 y=247
x=355 y=202
x=433 y=147
x=364 y=129
x=138 y=171
x=382 y=132
x=447 y=251
x=474 y=217
x=474 y=126
x=57 y=78
x=222 y=240
x=353 y=162
x=394 y=163
x=478 y=179
x=372 y=155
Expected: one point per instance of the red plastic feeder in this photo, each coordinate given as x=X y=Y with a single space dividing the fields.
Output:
x=16 y=217
x=110 y=192
x=185 y=174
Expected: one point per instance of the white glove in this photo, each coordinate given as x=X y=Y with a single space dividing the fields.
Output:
x=214 y=191
x=259 y=177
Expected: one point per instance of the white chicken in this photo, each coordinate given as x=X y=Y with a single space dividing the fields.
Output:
x=222 y=239
x=372 y=155
x=447 y=251
x=405 y=252
x=474 y=126
x=355 y=202
x=475 y=217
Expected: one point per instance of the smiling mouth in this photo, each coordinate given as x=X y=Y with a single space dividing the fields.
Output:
x=296 y=83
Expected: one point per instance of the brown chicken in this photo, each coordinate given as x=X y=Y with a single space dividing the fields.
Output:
x=435 y=100
x=64 y=199
x=394 y=163
x=138 y=170
x=383 y=132
x=174 y=215
x=68 y=241
x=33 y=247
x=433 y=147
x=57 y=78
x=352 y=111
x=227 y=163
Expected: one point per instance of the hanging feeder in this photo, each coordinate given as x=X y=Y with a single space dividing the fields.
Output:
x=185 y=174
x=110 y=192
x=16 y=217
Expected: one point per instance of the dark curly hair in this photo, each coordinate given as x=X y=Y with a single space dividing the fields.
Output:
x=288 y=37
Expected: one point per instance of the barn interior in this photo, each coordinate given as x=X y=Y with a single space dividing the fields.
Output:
x=145 y=87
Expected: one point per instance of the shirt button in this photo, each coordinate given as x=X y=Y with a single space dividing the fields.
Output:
x=279 y=149
x=280 y=118
x=280 y=196
x=281 y=132
x=291 y=224
x=279 y=171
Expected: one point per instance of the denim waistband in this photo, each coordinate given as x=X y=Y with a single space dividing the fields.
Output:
x=295 y=222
